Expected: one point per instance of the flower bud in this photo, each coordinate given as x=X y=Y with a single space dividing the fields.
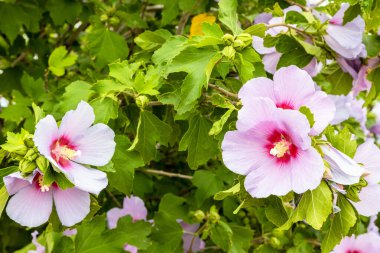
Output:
x=142 y=101
x=31 y=155
x=42 y=163
x=229 y=52
x=246 y=38
x=239 y=44
x=114 y=20
x=103 y=17
x=21 y=151
x=26 y=166
x=199 y=216
x=214 y=216
x=228 y=38
x=275 y=243
x=29 y=142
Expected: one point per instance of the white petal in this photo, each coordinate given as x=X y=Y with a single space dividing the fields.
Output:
x=368 y=154
x=72 y=205
x=46 y=132
x=15 y=182
x=86 y=179
x=30 y=207
x=369 y=203
x=96 y=145
x=75 y=121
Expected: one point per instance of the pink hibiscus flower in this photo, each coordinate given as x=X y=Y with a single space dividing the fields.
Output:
x=272 y=146
x=345 y=39
x=292 y=88
x=32 y=202
x=365 y=243
x=74 y=143
x=191 y=243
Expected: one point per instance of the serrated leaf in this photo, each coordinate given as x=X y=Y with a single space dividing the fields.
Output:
x=228 y=15
x=229 y=192
x=342 y=140
x=173 y=205
x=315 y=206
x=200 y=146
x=257 y=30
x=341 y=224
x=208 y=183
x=60 y=59
x=74 y=93
x=221 y=235
x=61 y=11
x=150 y=130
x=105 y=108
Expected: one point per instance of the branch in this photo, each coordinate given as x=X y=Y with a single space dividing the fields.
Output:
x=290 y=27
x=299 y=5
x=167 y=174
x=223 y=91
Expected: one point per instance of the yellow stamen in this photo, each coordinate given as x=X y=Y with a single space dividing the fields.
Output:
x=280 y=148
x=43 y=188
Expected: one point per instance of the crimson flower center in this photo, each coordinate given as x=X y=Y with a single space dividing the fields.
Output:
x=63 y=151
x=281 y=147
x=353 y=251
x=39 y=183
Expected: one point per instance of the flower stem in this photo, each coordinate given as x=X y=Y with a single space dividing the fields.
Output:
x=223 y=91
x=167 y=174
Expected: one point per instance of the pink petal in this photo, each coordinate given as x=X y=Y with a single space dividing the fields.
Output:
x=258 y=45
x=75 y=121
x=86 y=179
x=254 y=111
x=30 y=207
x=130 y=248
x=46 y=132
x=349 y=53
x=323 y=109
x=344 y=170
x=257 y=87
x=292 y=86
x=313 y=67
x=368 y=204
x=15 y=182
x=39 y=247
x=114 y=215
x=368 y=154
x=72 y=205
x=338 y=16
x=270 y=62
x=96 y=145
x=135 y=207
x=361 y=83
x=244 y=151
x=196 y=243
x=263 y=18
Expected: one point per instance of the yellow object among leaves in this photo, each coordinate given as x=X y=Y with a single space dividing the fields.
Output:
x=197 y=21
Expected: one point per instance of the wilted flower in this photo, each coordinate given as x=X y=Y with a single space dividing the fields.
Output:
x=76 y=142
x=32 y=202
x=292 y=88
x=345 y=39
x=272 y=147
x=39 y=247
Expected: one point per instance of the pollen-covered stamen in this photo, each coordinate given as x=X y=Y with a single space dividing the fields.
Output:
x=63 y=151
x=280 y=148
x=41 y=186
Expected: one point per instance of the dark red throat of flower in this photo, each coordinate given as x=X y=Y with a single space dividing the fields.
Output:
x=285 y=105
x=281 y=147
x=62 y=151
x=354 y=251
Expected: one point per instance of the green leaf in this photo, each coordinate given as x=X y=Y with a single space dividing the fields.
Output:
x=74 y=93
x=51 y=176
x=200 y=146
x=309 y=115
x=123 y=72
x=34 y=88
x=341 y=82
x=374 y=77
x=342 y=140
x=241 y=238
x=217 y=127
x=150 y=130
x=169 y=50
x=105 y=108
x=372 y=44
x=275 y=211
x=315 y=206
x=351 y=13
x=294 y=17
x=64 y=10
x=60 y=59
x=340 y=225
x=228 y=15
x=3 y=198
x=150 y=41
x=107 y=46
x=124 y=163
x=173 y=205
x=229 y=192
x=257 y=30
x=292 y=53
x=5 y=172
x=221 y=235
x=208 y=183
x=167 y=232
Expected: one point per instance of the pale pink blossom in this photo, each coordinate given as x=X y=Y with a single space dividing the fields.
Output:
x=292 y=88
x=133 y=206
x=39 y=247
x=75 y=144
x=130 y=248
x=345 y=39
x=32 y=201
x=191 y=242
x=271 y=146
x=364 y=243
x=376 y=111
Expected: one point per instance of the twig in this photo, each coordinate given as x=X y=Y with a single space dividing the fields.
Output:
x=155 y=103
x=299 y=5
x=76 y=33
x=167 y=174
x=19 y=58
x=223 y=91
x=156 y=7
x=290 y=27
x=182 y=22
x=117 y=202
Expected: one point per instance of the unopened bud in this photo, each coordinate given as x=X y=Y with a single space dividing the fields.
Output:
x=21 y=151
x=103 y=17
x=214 y=216
x=29 y=142
x=246 y=38
x=26 y=166
x=199 y=215
x=142 y=101
x=42 y=163
x=228 y=38
x=275 y=243
x=114 y=20
x=239 y=44
x=31 y=155
x=229 y=52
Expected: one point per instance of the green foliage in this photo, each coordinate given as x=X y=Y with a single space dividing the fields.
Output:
x=60 y=59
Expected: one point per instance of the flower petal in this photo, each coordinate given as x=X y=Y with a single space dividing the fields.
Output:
x=254 y=111
x=244 y=151
x=270 y=62
x=30 y=207
x=368 y=154
x=130 y=248
x=258 y=45
x=292 y=86
x=86 y=179
x=344 y=170
x=114 y=215
x=135 y=207
x=15 y=182
x=72 y=205
x=323 y=109
x=257 y=87
x=46 y=132
x=75 y=121
x=96 y=145
x=368 y=204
